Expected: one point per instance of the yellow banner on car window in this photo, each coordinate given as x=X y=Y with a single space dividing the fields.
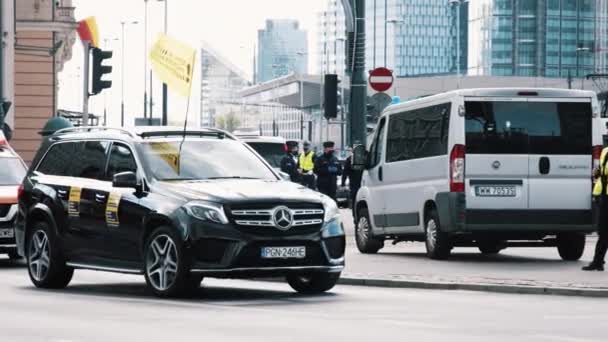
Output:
x=74 y=201
x=112 y=209
x=173 y=63
x=167 y=152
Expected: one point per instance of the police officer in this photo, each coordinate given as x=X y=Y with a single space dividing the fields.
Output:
x=306 y=164
x=600 y=193
x=289 y=163
x=354 y=177
x=327 y=169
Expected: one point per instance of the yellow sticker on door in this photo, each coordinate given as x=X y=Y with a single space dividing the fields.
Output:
x=74 y=201
x=112 y=209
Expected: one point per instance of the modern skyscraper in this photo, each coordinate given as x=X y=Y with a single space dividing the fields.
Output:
x=554 y=38
x=413 y=37
x=221 y=82
x=282 y=49
x=332 y=39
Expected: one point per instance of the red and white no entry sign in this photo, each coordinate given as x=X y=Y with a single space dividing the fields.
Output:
x=381 y=79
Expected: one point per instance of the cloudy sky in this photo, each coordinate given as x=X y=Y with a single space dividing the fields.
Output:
x=230 y=26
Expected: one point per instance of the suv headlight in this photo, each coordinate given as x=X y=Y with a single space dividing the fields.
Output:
x=207 y=211
x=330 y=207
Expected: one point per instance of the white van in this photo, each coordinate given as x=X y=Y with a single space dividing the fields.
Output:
x=491 y=168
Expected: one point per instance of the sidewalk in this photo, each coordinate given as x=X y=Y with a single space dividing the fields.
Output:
x=519 y=270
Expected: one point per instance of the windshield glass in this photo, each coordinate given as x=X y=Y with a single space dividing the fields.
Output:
x=12 y=171
x=272 y=152
x=203 y=159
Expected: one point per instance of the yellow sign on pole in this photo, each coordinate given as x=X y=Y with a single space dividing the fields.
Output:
x=173 y=63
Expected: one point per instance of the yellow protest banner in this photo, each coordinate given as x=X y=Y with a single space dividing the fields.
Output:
x=173 y=63
x=167 y=152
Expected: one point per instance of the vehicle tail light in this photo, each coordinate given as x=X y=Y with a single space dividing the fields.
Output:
x=457 y=157
x=20 y=192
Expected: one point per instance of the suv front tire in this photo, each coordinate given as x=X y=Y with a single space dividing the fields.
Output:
x=46 y=263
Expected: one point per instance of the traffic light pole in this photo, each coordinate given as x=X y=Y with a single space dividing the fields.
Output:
x=358 y=86
x=85 y=86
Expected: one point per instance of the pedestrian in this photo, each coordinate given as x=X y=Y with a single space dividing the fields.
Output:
x=327 y=168
x=306 y=165
x=289 y=163
x=600 y=194
x=353 y=176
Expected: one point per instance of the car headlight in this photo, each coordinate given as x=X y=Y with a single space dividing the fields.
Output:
x=207 y=211
x=330 y=207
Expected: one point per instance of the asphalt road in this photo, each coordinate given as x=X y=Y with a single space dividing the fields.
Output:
x=108 y=307
x=536 y=266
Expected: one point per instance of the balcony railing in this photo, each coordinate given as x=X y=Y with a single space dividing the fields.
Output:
x=65 y=13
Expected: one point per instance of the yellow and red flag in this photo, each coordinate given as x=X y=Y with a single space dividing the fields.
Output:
x=87 y=30
x=173 y=62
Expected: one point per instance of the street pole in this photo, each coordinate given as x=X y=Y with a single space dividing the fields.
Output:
x=85 y=83
x=301 y=108
x=358 y=86
x=165 y=119
x=122 y=76
x=145 y=58
x=151 y=98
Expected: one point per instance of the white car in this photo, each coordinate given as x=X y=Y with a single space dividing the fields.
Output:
x=490 y=168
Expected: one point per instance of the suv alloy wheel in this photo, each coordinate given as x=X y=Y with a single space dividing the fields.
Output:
x=45 y=261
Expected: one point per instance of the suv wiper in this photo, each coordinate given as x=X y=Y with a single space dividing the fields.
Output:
x=178 y=179
x=232 y=177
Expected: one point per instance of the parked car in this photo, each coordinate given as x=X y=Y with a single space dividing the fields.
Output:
x=12 y=171
x=490 y=168
x=174 y=207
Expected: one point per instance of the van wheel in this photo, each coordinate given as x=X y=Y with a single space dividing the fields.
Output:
x=45 y=260
x=490 y=247
x=438 y=244
x=366 y=243
x=314 y=283
x=571 y=246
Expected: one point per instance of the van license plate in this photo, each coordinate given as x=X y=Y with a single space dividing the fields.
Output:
x=495 y=191
x=283 y=252
x=7 y=233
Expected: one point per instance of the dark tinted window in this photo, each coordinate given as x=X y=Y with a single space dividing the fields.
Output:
x=121 y=160
x=272 y=152
x=528 y=127
x=58 y=160
x=419 y=133
x=202 y=159
x=12 y=171
x=92 y=161
x=378 y=144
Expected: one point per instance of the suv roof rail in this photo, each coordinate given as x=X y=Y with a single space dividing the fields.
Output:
x=207 y=132
x=93 y=128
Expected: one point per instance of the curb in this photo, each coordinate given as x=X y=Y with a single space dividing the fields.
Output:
x=497 y=288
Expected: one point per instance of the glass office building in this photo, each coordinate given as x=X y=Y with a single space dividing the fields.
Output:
x=282 y=49
x=416 y=37
x=553 y=38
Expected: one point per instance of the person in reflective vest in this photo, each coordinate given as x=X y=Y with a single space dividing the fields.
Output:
x=600 y=193
x=306 y=164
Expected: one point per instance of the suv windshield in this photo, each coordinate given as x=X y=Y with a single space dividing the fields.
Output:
x=272 y=152
x=12 y=171
x=202 y=159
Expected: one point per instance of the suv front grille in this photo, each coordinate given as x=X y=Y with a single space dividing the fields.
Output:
x=306 y=218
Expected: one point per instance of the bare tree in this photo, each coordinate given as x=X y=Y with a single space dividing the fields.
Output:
x=228 y=122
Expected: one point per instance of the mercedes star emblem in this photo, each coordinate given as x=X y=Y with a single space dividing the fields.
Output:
x=282 y=218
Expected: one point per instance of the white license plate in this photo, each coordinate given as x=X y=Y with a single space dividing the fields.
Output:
x=495 y=191
x=283 y=252
x=7 y=233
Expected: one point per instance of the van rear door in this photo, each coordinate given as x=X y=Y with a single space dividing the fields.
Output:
x=560 y=143
x=497 y=161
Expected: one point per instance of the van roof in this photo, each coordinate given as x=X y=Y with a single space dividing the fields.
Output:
x=499 y=92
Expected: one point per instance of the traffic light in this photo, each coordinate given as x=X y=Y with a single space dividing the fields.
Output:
x=99 y=70
x=331 y=96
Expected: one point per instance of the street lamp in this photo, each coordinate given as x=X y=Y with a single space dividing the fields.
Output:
x=165 y=118
x=457 y=3
x=580 y=49
x=122 y=72
x=146 y=58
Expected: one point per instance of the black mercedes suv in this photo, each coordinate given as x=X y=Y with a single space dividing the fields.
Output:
x=175 y=206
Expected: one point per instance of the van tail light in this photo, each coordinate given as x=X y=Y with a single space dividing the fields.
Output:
x=457 y=157
x=20 y=192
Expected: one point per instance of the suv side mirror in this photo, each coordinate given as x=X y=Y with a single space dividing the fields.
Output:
x=126 y=179
x=359 y=161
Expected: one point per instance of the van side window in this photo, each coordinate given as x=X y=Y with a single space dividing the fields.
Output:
x=418 y=133
x=58 y=160
x=121 y=160
x=377 y=147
